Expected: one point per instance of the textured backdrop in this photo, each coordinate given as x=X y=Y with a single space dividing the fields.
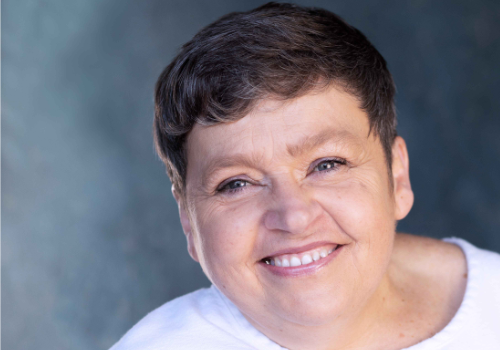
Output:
x=90 y=236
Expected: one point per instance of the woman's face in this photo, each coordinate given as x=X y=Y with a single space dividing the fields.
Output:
x=290 y=210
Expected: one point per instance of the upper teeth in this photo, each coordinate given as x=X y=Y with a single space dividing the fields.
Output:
x=293 y=260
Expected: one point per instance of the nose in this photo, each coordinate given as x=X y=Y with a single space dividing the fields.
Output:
x=292 y=209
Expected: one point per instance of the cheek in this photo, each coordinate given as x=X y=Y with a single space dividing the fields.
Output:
x=227 y=236
x=356 y=205
x=363 y=212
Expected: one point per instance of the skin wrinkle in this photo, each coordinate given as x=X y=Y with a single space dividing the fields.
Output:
x=353 y=206
x=338 y=135
x=314 y=141
x=221 y=163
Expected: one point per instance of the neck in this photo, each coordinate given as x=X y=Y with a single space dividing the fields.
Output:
x=362 y=327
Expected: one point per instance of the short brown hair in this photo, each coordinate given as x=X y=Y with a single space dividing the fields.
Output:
x=274 y=51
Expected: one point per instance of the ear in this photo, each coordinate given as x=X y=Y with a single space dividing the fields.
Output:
x=186 y=225
x=403 y=194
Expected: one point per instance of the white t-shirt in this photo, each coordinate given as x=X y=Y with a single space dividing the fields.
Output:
x=207 y=320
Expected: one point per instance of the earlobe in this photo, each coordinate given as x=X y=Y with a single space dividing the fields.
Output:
x=186 y=225
x=403 y=194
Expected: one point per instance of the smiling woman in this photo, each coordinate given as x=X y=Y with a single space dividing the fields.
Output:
x=287 y=209
x=277 y=128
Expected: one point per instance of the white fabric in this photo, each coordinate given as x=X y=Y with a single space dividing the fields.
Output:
x=207 y=320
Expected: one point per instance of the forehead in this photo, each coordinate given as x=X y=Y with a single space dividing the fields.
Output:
x=279 y=129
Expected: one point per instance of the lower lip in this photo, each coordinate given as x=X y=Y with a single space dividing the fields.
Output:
x=303 y=270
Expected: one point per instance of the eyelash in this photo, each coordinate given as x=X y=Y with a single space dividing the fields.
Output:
x=223 y=188
x=334 y=161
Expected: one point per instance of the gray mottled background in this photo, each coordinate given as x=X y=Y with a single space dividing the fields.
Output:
x=90 y=236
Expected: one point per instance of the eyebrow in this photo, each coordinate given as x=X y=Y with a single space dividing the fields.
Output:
x=304 y=145
x=313 y=141
x=225 y=162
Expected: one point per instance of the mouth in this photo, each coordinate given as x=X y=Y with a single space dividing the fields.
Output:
x=303 y=262
x=299 y=259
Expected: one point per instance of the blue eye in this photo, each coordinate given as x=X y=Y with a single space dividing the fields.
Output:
x=329 y=164
x=233 y=186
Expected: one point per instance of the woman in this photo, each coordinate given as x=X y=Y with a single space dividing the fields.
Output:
x=277 y=127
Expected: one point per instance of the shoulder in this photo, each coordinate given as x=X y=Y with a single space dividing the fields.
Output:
x=430 y=255
x=489 y=259
x=460 y=283
x=448 y=250
x=453 y=267
x=483 y=270
x=193 y=321
x=436 y=274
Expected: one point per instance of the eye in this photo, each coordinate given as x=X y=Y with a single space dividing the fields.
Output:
x=329 y=164
x=233 y=186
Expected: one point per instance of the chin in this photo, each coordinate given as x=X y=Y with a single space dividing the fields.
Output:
x=311 y=309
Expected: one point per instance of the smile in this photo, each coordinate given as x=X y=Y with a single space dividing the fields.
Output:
x=304 y=258
x=302 y=261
